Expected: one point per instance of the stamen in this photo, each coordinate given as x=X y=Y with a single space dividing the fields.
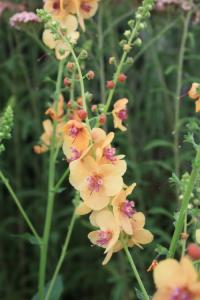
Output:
x=56 y=5
x=94 y=183
x=103 y=237
x=74 y=131
x=180 y=294
x=75 y=155
x=86 y=7
x=109 y=153
x=122 y=114
x=127 y=208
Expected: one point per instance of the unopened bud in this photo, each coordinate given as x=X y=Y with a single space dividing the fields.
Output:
x=122 y=77
x=90 y=75
x=110 y=84
x=66 y=81
x=102 y=119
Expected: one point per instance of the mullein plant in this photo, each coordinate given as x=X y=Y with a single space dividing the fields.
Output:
x=95 y=168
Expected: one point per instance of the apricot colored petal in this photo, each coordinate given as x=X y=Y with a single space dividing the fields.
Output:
x=130 y=189
x=108 y=139
x=78 y=174
x=138 y=221
x=197 y=106
x=113 y=185
x=48 y=128
x=168 y=274
x=142 y=236
x=107 y=257
x=93 y=237
x=98 y=135
x=105 y=219
x=95 y=200
x=48 y=39
x=71 y=23
x=189 y=269
x=120 y=104
x=82 y=209
x=120 y=167
x=126 y=224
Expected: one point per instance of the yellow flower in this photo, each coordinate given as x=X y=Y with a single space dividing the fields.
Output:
x=140 y=236
x=176 y=280
x=76 y=139
x=45 y=139
x=69 y=23
x=97 y=183
x=197 y=105
x=109 y=231
x=120 y=113
x=193 y=93
x=124 y=210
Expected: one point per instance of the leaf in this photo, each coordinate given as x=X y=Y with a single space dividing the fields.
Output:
x=161 y=250
x=160 y=211
x=56 y=291
x=26 y=236
x=158 y=144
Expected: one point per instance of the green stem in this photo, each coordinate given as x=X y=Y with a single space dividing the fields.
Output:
x=61 y=180
x=80 y=76
x=119 y=68
x=186 y=21
x=62 y=256
x=184 y=205
x=136 y=274
x=184 y=241
x=51 y=194
x=17 y=202
x=101 y=54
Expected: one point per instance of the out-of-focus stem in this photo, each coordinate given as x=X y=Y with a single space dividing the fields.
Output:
x=62 y=257
x=184 y=205
x=101 y=54
x=186 y=21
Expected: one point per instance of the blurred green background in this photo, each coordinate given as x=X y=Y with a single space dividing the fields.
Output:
x=148 y=145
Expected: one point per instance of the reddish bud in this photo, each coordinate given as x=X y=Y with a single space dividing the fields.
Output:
x=193 y=251
x=82 y=114
x=102 y=119
x=66 y=82
x=79 y=101
x=110 y=84
x=94 y=108
x=122 y=77
x=70 y=66
x=90 y=75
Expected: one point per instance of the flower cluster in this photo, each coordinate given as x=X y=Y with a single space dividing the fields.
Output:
x=23 y=18
x=194 y=94
x=176 y=281
x=96 y=172
x=68 y=13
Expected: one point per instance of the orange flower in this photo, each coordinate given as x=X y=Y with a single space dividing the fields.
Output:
x=176 y=280
x=96 y=182
x=120 y=113
x=76 y=139
x=124 y=210
x=56 y=113
x=45 y=138
x=108 y=234
x=197 y=105
x=193 y=92
x=140 y=236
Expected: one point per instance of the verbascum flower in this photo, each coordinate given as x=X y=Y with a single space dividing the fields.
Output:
x=140 y=236
x=176 y=280
x=120 y=113
x=76 y=139
x=22 y=18
x=194 y=94
x=96 y=182
x=109 y=231
x=124 y=209
x=46 y=137
x=70 y=24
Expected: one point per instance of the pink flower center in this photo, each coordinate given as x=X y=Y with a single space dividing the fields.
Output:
x=56 y=5
x=180 y=294
x=128 y=208
x=86 y=7
x=109 y=153
x=122 y=114
x=103 y=237
x=74 y=131
x=75 y=154
x=94 y=183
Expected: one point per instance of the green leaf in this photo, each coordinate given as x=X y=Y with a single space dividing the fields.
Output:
x=56 y=291
x=160 y=211
x=26 y=236
x=158 y=144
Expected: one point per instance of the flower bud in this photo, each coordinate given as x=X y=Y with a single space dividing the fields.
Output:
x=122 y=77
x=70 y=66
x=126 y=47
x=94 y=108
x=112 y=60
x=80 y=101
x=90 y=75
x=110 y=84
x=102 y=119
x=82 y=114
x=66 y=81
x=83 y=54
x=193 y=251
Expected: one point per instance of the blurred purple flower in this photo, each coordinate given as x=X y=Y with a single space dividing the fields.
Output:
x=6 y=5
x=23 y=18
